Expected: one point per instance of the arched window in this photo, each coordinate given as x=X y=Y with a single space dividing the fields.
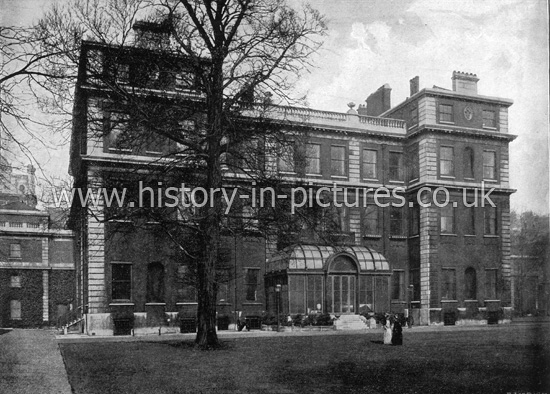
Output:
x=468 y=162
x=155 y=282
x=470 y=284
x=343 y=264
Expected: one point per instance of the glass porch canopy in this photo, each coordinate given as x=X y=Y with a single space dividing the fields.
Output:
x=314 y=257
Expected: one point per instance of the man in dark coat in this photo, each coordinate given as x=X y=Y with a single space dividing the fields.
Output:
x=397 y=332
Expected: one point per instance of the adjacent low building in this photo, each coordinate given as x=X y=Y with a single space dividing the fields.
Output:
x=36 y=260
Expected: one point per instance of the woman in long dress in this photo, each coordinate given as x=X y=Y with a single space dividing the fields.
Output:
x=388 y=327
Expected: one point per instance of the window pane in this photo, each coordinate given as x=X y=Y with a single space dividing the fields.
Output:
x=490 y=284
x=15 y=281
x=313 y=159
x=15 y=251
x=396 y=166
x=489 y=160
x=15 y=310
x=445 y=113
x=286 y=159
x=338 y=160
x=446 y=160
x=470 y=284
x=398 y=287
x=155 y=282
x=296 y=289
x=489 y=119
x=251 y=283
x=396 y=221
x=314 y=293
x=447 y=219
x=186 y=285
x=490 y=215
x=121 y=281
x=448 y=291
x=370 y=220
x=370 y=160
x=469 y=221
x=468 y=163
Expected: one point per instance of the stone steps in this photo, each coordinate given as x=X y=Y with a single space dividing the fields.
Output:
x=351 y=322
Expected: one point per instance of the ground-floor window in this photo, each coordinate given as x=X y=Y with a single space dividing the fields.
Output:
x=491 y=284
x=155 y=282
x=470 y=284
x=314 y=295
x=15 y=310
x=251 y=283
x=448 y=291
x=186 y=290
x=398 y=287
x=121 y=281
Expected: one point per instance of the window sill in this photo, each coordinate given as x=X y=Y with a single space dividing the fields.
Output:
x=446 y=122
x=339 y=176
x=414 y=236
x=490 y=180
x=398 y=237
x=367 y=236
x=491 y=300
x=121 y=303
x=371 y=180
x=449 y=234
x=252 y=303
x=470 y=235
x=293 y=173
x=397 y=181
x=489 y=128
x=447 y=176
x=471 y=301
x=315 y=175
x=187 y=303
x=444 y=301
x=155 y=304
x=120 y=150
x=491 y=236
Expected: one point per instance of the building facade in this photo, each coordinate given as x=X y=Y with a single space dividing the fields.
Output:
x=392 y=250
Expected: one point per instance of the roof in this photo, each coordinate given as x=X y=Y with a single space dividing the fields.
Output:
x=18 y=206
x=316 y=257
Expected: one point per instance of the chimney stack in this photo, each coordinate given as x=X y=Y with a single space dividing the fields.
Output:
x=464 y=82
x=379 y=101
x=415 y=82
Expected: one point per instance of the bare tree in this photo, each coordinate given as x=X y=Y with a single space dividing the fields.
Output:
x=234 y=48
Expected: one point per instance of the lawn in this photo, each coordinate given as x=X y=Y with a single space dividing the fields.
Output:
x=494 y=359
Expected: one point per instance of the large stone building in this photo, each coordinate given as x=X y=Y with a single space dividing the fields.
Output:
x=399 y=251
x=36 y=257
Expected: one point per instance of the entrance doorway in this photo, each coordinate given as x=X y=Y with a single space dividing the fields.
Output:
x=341 y=291
x=342 y=285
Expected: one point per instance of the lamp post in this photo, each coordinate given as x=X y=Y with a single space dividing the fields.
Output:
x=277 y=294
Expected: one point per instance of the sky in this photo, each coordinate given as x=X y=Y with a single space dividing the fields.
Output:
x=373 y=42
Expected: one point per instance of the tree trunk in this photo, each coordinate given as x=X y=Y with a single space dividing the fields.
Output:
x=206 y=270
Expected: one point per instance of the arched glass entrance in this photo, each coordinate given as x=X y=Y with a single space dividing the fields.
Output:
x=342 y=285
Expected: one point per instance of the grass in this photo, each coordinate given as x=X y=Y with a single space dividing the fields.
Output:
x=495 y=359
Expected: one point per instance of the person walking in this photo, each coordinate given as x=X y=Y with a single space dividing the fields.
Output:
x=397 y=332
x=388 y=327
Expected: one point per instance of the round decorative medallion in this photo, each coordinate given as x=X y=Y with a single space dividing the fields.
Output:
x=468 y=113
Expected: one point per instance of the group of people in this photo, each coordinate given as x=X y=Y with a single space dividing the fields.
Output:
x=393 y=330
